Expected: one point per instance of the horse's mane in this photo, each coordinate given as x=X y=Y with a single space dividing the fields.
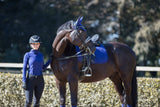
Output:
x=66 y=26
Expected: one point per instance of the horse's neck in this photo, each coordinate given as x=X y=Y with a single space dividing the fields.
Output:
x=60 y=47
x=69 y=50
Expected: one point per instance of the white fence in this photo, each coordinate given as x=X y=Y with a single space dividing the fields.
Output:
x=16 y=68
x=20 y=65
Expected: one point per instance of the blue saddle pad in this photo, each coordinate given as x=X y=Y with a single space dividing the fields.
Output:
x=101 y=55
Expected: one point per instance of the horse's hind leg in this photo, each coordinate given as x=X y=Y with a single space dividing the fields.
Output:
x=127 y=83
x=115 y=78
x=128 y=91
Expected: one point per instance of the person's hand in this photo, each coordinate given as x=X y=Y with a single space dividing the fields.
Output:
x=24 y=86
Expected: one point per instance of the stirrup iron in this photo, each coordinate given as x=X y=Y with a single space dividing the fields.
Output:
x=88 y=72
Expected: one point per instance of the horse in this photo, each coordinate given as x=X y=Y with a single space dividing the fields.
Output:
x=119 y=68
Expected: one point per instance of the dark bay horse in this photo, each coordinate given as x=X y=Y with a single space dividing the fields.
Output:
x=120 y=67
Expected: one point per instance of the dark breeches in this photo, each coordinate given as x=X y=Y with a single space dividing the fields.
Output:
x=35 y=86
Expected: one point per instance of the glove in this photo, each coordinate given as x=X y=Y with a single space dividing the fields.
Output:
x=24 y=86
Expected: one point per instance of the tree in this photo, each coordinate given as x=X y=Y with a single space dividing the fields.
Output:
x=141 y=29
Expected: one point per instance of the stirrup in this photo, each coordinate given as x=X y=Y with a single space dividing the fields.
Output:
x=88 y=72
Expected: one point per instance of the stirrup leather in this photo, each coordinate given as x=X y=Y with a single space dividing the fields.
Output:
x=86 y=69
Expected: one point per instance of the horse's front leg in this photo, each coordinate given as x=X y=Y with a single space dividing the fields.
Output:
x=62 y=92
x=73 y=85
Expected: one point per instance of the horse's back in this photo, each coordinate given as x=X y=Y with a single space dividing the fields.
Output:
x=124 y=56
x=119 y=48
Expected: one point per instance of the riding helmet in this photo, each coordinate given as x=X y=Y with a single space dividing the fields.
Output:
x=34 y=39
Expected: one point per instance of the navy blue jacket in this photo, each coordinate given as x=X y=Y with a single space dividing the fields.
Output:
x=34 y=59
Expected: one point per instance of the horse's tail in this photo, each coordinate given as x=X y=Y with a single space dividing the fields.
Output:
x=134 y=89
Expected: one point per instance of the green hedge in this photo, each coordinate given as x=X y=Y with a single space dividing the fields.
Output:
x=97 y=94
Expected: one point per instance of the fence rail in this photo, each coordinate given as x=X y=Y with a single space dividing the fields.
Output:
x=20 y=65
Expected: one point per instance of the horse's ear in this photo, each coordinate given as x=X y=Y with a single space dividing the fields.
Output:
x=78 y=25
x=80 y=20
x=77 y=21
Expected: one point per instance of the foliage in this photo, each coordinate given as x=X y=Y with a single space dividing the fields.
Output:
x=148 y=37
x=141 y=29
x=100 y=93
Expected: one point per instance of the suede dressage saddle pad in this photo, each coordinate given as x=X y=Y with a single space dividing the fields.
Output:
x=100 y=57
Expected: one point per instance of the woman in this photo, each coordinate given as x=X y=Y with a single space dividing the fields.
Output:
x=33 y=81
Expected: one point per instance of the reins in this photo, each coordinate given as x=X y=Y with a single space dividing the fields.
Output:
x=73 y=56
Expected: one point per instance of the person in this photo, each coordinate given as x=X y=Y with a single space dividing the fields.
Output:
x=33 y=81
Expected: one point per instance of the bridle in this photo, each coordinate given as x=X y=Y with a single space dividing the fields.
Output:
x=84 y=43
